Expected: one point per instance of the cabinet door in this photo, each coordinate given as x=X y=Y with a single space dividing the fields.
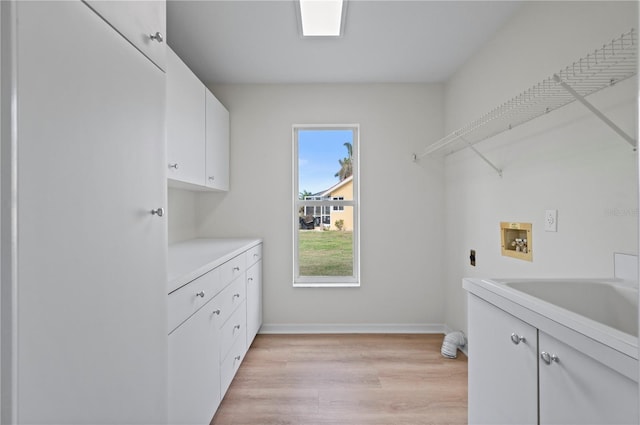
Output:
x=91 y=258
x=142 y=22
x=502 y=374
x=577 y=389
x=185 y=123
x=217 y=144
x=254 y=301
x=194 y=369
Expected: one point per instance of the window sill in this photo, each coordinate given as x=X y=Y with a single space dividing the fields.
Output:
x=327 y=285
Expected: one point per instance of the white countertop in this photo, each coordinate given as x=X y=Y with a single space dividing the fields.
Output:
x=193 y=258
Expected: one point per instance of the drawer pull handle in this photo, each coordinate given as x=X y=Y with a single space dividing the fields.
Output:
x=158 y=211
x=236 y=268
x=250 y=279
x=237 y=357
x=216 y=312
x=517 y=339
x=236 y=327
x=174 y=165
x=236 y=295
x=200 y=294
x=157 y=37
x=548 y=358
x=255 y=255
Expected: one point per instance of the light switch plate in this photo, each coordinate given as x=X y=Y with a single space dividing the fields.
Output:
x=551 y=221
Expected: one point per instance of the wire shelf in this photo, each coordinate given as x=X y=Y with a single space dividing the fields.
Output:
x=606 y=66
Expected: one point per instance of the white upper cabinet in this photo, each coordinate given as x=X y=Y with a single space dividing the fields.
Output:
x=143 y=23
x=185 y=123
x=217 y=143
x=197 y=131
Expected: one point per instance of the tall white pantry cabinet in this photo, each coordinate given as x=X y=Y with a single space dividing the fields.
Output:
x=84 y=306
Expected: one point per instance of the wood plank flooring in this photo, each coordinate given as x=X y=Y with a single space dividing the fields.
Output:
x=359 y=379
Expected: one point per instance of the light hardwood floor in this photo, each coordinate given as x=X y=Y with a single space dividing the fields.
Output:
x=364 y=379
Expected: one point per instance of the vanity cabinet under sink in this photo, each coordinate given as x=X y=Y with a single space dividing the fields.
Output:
x=521 y=374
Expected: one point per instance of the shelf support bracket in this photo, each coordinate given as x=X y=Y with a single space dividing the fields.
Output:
x=596 y=112
x=484 y=158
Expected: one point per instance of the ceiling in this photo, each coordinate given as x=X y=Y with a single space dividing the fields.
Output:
x=392 y=41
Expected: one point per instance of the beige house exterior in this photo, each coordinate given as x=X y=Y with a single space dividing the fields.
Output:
x=341 y=191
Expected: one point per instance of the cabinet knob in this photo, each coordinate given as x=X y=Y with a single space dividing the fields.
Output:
x=216 y=312
x=200 y=294
x=237 y=269
x=174 y=165
x=236 y=327
x=250 y=279
x=548 y=358
x=157 y=37
x=237 y=358
x=517 y=339
x=212 y=178
x=158 y=211
x=236 y=296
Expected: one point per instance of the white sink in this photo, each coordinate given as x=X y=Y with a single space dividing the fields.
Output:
x=609 y=303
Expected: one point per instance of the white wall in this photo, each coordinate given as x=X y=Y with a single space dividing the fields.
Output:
x=181 y=213
x=567 y=160
x=401 y=202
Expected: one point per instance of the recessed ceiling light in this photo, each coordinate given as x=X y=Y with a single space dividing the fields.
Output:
x=322 y=18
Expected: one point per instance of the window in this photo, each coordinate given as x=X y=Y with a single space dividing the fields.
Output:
x=326 y=206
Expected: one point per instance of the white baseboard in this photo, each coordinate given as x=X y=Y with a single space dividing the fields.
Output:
x=319 y=328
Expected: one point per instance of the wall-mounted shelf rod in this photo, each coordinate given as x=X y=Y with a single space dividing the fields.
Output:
x=484 y=158
x=604 y=67
x=596 y=112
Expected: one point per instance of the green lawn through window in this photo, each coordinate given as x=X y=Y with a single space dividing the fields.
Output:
x=325 y=253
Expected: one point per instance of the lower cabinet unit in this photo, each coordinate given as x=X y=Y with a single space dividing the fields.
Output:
x=254 y=300
x=519 y=374
x=576 y=389
x=232 y=361
x=502 y=374
x=194 y=375
x=208 y=322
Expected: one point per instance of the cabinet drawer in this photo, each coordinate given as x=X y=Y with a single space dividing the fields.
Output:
x=254 y=255
x=187 y=300
x=233 y=329
x=233 y=268
x=231 y=363
x=229 y=300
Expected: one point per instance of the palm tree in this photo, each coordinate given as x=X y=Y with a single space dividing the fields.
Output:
x=304 y=194
x=346 y=164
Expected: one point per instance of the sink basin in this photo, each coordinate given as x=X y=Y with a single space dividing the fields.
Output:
x=609 y=303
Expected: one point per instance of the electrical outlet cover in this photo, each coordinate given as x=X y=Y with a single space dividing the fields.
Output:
x=551 y=220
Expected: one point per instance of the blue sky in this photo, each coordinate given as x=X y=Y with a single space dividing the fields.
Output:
x=318 y=155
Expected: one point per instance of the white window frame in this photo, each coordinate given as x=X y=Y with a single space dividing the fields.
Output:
x=327 y=281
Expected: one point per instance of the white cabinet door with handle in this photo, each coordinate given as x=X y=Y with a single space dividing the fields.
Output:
x=502 y=366
x=576 y=389
x=185 y=123
x=91 y=259
x=217 y=144
x=142 y=22
x=194 y=369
